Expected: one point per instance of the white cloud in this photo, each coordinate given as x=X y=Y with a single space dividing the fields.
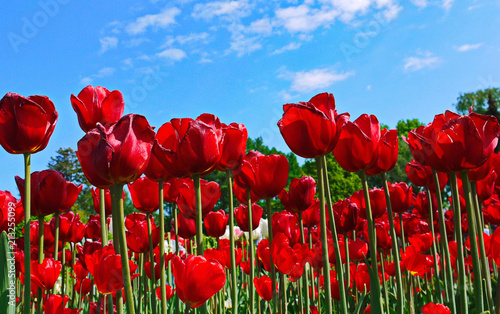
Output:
x=369 y=87
x=207 y=11
x=184 y=39
x=304 y=19
x=447 y=4
x=348 y=9
x=425 y=60
x=86 y=80
x=263 y=26
x=135 y=42
x=307 y=81
x=243 y=45
x=290 y=46
x=420 y=3
x=172 y=54
x=105 y=72
x=468 y=47
x=108 y=43
x=160 y=20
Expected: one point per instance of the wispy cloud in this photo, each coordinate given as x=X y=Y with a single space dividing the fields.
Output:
x=243 y=45
x=186 y=39
x=304 y=19
x=108 y=43
x=424 y=60
x=447 y=4
x=419 y=3
x=468 y=47
x=307 y=81
x=228 y=9
x=290 y=46
x=173 y=54
x=100 y=74
x=160 y=20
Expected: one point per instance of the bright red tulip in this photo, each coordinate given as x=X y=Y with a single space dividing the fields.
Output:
x=264 y=287
x=26 y=124
x=50 y=192
x=186 y=227
x=186 y=146
x=145 y=194
x=300 y=195
x=156 y=171
x=97 y=105
x=242 y=196
x=233 y=146
x=401 y=196
x=421 y=242
x=11 y=212
x=264 y=254
x=288 y=224
x=170 y=292
x=267 y=175
x=137 y=232
x=241 y=216
x=377 y=202
x=55 y=304
x=358 y=142
x=210 y=194
x=345 y=214
x=197 y=279
x=45 y=275
x=358 y=250
x=107 y=201
x=310 y=128
x=486 y=187
x=417 y=264
x=216 y=222
x=421 y=175
x=93 y=228
x=240 y=178
x=116 y=153
x=311 y=216
x=71 y=229
x=287 y=259
x=387 y=153
x=431 y=308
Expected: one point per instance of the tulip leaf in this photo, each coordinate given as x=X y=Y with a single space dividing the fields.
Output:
x=7 y=279
x=361 y=301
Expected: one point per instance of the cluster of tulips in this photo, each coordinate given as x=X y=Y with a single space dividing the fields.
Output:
x=392 y=249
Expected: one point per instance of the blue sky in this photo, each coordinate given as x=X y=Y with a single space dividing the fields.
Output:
x=243 y=59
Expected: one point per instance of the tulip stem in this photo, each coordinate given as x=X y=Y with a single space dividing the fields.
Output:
x=457 y=218
x=41 y=231
x=333 y=228
x=395 y=249
x=199 y=215
x=117 y=198
x=311 y=271
x=273 y=270
x=324 y=237
x=27 y=226
x=102 y=217
x=152 y=264
x=471 y=220
x=234 y=291
x=56 y=236
x=448 y=271
x=250 y=253
x=374 y=280
x=305 y=279
x=163 y=288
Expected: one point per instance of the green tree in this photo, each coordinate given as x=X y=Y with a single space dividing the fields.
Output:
x=480 y=99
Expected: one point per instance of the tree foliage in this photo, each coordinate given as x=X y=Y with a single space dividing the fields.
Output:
x=480 y=99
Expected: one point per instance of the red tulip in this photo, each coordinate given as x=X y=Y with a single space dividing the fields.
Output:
x=170 y=292
x=45 y=275
x=83 y=286
x=216 y=222
x=241 y=216
x=116 y=153
x=288 y=224
x=186 y=227
x=224 y=246
x=26 y=124
x=240 y=178
x=50 y=192
x=421 y=203
x=71 y=229
x=362 y=278
x=421 y=175
x=421 y=242
x=55 y=304
x=267 y=175
x=431 y=308
x=156 y=171
x=485 y=187
x=186 y=146
x=287 y=259
x=210 y=194
x=377 y=202
x=358 y=250
x=137 y=232
x=264 y=254
x=345 y=215
x=11 y=212
x=387 y=153
x=264 y=287
x=107 y=201
x=97 y=105
x=171 y=190
x=491 y=210
x=401 y=196
x=417 y=264
x=310 y=128
x=93 y=228
x=80 y=271
x=358 y=142
x=311 y=217
x=300 y=196
x=145 y=194
x=197 y=279
x=242 y=196
x=233 y=146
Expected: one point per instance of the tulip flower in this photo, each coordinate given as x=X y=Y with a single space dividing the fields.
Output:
x=210 y=194
x=137 y=232
x=421 y=242
x=186 y=226
x=421 y=175
x=300 y=195
x=169 y=292
x=93 y=228
x=267 y=175
x=416 y=263
x=288 y=224
x=241 y=216
x=71 y=229
x=233 y=147
x=311 y=216
x=197 y=279
x=264 y=287
x=431 y=308
x=107 y=198
x=11 y=212
x=97 y=105
x=216 y=222
x=387 y=153
x=377 y=202
x=145 y=195
x=358 y=250
x=55 y=304
x=401 y=196
x=45 y=275
x=345 y=214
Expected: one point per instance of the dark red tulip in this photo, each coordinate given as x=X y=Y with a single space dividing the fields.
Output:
x=11 y=212
x=241 y=216
x=310 y=128
x=186 y=146
x=93 y=228
x=26 y=124
x=242 y=196
x=311 y=216
x=377 y=202
x=267 y=175
x=300 y=195
x=170 y=292
x=491 y=210
x=288 y=224
x=171 y=190
x=137 y=232
x=454 y=143
x=107 y=201
x=45 y=275
x=421 y=175
x=215 y=223
x=494 y=251
x=71 y=229
x=264 y=287
x=156 y=171
x=97 y=105
x=116 y=153
x=233 y=146
x=401 y=196
x=50 y=192
x=345 y=213
x=264 y=254
x=197 y=279
x=431 y=308
x=358 y=250
x=55 y=304
x=421 y=203
x=240 y=178
x=486 y=187
x=80 y=271
x=362 y=278
x=48 y=236
x=186 y=227
x=421 y=242
x=83 y=286
x=387 y=153
x=481 y=172
x=210 y=194
x=358 y=142
x=145 y=194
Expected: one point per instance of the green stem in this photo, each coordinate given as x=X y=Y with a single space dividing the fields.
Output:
x=250 y=254
x=27 y=226
x=63 y=283
x=41 y=227
x=199 y=215
x=152 y=264
x=311 y=271
x=434 y=250
x=117 y=197
x=141 y=273
x=375 y=296
x=471 y=221
x=234 y=289
x=305 y=280
x=102 y=217
x=163 y=282
x=395 y=249
x=56 y=241
x=324 y=237
x=273 y=270
x=333 y=229
x=384 y=283
x=457 y=218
